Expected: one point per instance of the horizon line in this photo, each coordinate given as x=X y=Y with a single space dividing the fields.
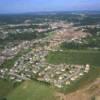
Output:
x=9 y=13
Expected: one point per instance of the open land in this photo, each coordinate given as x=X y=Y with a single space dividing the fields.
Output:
x=35 y=65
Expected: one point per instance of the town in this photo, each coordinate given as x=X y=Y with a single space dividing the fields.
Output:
x=33 y=65
x=50 y=56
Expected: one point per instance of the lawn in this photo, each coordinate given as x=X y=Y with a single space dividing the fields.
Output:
x=75 y=57
x=5 y=87
x=32 y=90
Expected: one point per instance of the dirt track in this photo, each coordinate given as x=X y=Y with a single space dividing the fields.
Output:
x=83 y=94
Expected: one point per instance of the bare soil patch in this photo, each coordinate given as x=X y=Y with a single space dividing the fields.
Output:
x=87 y=93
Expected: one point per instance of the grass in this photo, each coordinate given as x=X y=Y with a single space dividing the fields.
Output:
x=32 y=90
x=5 y=87
x=50 y=34
x=75 y=57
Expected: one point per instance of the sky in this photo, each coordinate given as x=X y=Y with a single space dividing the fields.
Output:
x=22 y=6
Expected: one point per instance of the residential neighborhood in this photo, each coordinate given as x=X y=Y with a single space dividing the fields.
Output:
x=33 y=65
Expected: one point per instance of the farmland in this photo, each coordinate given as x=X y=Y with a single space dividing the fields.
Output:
x=75 y=57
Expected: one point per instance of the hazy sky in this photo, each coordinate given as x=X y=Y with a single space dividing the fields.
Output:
x=19 y=6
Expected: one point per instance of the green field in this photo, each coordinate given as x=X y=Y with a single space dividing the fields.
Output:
x=75 y=57
x=32 y=90
x=28 y=90
x=5 y=88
